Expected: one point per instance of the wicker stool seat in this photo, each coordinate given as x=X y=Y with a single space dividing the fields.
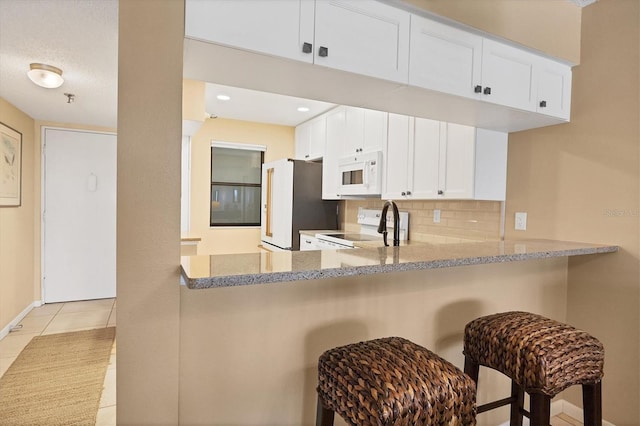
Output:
x=541 y=356
x=392 y=381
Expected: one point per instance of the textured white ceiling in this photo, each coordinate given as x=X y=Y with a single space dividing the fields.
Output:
x=261 y=107
x=78 y=36
x=81 y=38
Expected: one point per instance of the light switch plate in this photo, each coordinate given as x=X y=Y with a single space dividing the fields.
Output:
x=436 y=216
x=521 y=221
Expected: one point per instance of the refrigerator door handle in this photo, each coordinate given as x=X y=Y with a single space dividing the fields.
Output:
x=269 y=231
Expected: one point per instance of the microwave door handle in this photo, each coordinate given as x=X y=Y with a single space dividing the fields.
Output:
x=365 y=174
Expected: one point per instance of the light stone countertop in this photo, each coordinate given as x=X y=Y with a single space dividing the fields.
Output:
x=200 y=272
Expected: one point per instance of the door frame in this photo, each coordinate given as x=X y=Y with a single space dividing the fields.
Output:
x=43 y=141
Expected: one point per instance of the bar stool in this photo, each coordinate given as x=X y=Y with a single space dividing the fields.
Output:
x=392 y=381
x=541 y=357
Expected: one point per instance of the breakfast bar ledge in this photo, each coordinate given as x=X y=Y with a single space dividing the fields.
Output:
x=201 y=272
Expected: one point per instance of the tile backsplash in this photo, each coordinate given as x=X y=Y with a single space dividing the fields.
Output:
x=460 y=220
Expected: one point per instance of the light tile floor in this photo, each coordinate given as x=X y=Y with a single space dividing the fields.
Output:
x=74 y=316
x=60 y=318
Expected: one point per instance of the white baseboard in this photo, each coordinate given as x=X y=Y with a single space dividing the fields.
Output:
x=576 y=412
x=562 y=406
x=556 y=408
x=7 y=329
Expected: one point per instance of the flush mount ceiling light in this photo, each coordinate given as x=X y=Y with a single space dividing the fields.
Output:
x=45 y=75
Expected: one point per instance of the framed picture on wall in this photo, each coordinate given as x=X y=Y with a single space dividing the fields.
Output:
x=10 y=167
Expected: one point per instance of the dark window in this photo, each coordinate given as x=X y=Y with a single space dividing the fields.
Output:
x=236 y=182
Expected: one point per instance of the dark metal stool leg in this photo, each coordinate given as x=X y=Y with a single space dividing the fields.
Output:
x=540 y=410
x=592 y=402
x=324 y=416
x=517 y=406
x=471 y=369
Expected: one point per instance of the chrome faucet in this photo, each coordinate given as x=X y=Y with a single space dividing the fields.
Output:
x=382 y=228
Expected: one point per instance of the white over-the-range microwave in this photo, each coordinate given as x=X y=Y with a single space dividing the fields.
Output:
x=361 y=174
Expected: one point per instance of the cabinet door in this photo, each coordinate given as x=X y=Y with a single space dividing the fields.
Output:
x=444 y=58
x=375 y=130
x=554 y=88
x=275 y=27
x=317 y=138
x=354 y=130
x=396 y=157
x=508 y=73
x=307 y=243
x=365 y=37
x=366 y=130
x=457 y=161
x=491 y=165
x=335 y=121
x=425 y=158
x=303 y=137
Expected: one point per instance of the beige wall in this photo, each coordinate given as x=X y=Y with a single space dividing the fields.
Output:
x=550 y=26
x=148 y=224
x=279 y=140
x=580 y=181
x=17 y=240
x=248 y=355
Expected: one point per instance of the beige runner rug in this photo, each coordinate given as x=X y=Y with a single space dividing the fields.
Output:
x=57 y=379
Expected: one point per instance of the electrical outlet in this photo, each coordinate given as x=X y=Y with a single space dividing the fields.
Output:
x=436 y=216
x=521 y=221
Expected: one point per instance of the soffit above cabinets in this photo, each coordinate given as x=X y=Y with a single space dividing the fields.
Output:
x=308 y=81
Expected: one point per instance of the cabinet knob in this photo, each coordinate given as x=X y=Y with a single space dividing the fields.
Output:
x=477 y=89
x=487 y=90
x=408 y=192
x=543 y=104
x=440 y=192
x=307 y=47
x=403 y=193
x=306 y=156
x=323 y=51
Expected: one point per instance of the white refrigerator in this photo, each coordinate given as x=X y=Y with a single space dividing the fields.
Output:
x=291 y=201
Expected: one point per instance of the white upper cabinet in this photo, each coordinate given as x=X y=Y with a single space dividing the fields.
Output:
x=310 y=139
x=444 y=58
x=457 y=161
x=366 y=130
x=365 y=37
x=427 y=160
x=277 y=27
x=554 y=89
x=335 y=136
x=458 y=62
x=508 y=76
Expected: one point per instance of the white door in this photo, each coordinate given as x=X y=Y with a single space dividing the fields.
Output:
x=365 y=37
x=79 y=215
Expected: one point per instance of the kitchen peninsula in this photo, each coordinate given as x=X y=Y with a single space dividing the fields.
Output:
x=246 y=341
x=200 y=272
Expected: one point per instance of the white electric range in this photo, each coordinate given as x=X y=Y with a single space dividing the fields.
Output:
x=369 y=219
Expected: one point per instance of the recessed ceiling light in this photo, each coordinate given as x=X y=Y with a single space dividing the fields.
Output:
x=303 y=109
x=223 y=97
x=45 y=76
